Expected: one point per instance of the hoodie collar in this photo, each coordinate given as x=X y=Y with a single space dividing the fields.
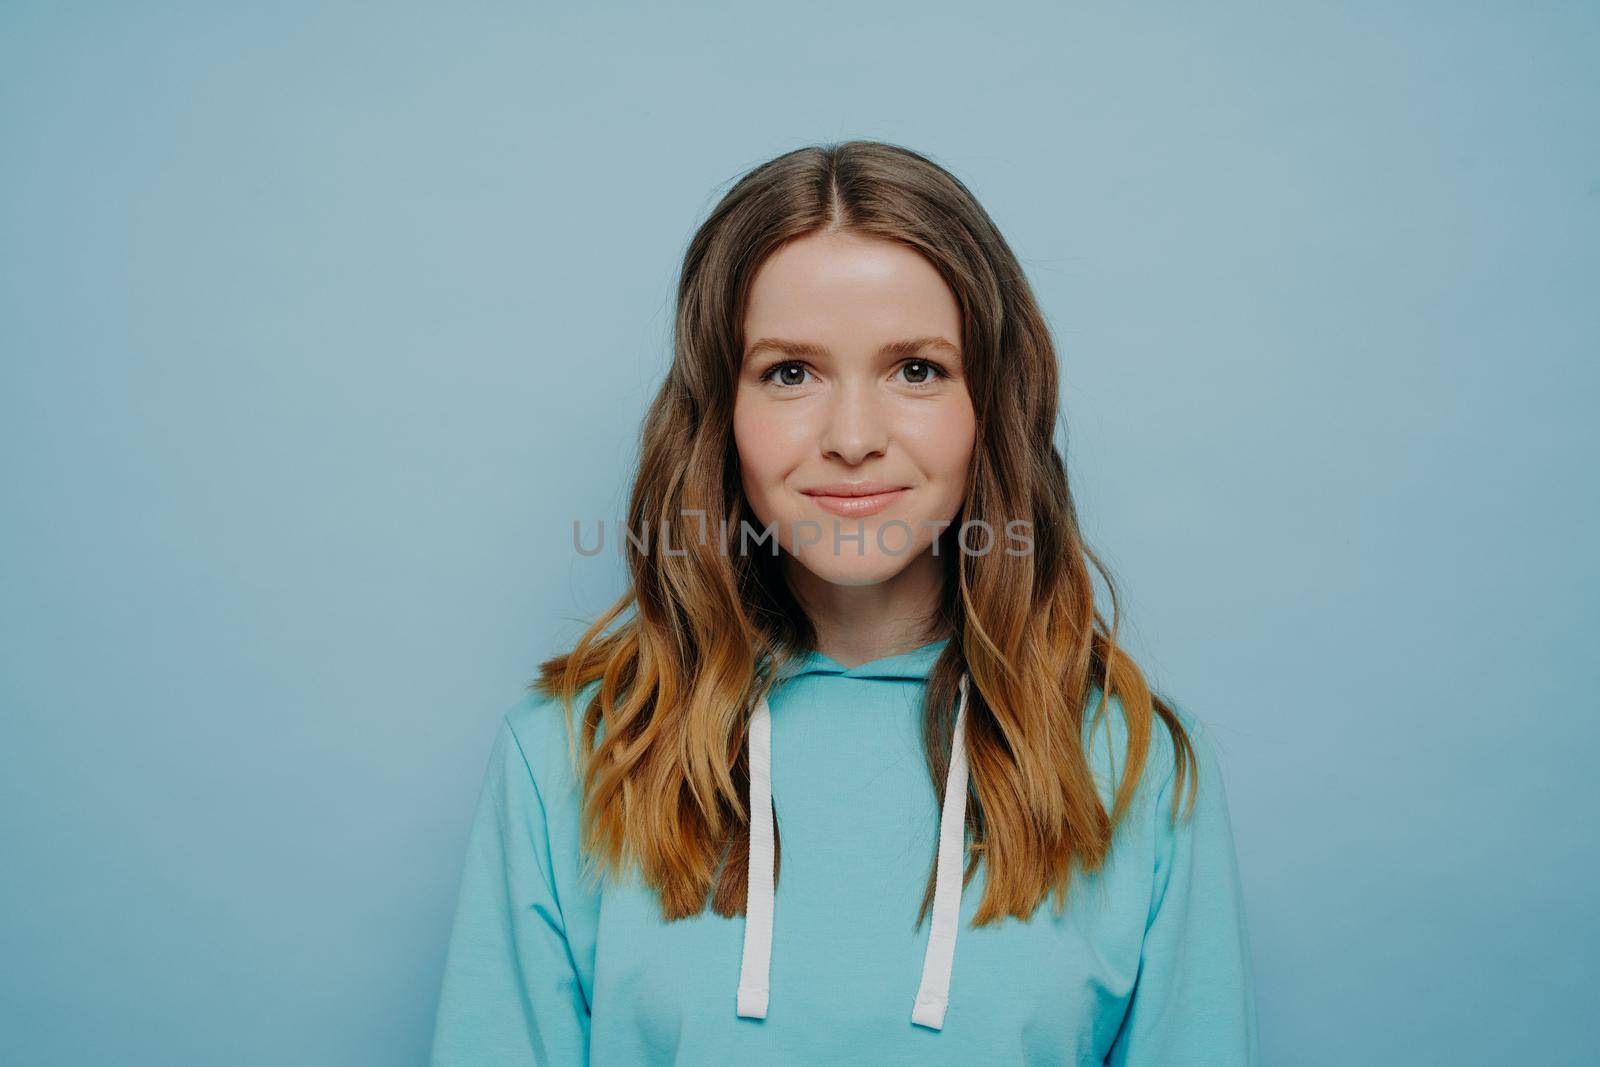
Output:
x=914 y=664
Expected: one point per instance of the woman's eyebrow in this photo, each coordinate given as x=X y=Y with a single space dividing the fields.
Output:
x=913 y=346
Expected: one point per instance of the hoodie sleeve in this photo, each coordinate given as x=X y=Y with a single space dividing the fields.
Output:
x=511 y=991
x=1194 y=999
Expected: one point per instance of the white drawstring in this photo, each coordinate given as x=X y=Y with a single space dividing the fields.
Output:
x=933 y=996
x=755 y=967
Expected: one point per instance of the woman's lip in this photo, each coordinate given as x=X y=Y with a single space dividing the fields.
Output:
x=855 y=506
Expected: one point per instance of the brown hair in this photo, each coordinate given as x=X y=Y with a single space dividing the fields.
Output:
x=679 y=678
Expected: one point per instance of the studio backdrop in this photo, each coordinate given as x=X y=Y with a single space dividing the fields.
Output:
x=322 y=324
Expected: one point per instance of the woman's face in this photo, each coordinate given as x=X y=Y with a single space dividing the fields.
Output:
x=852 y=383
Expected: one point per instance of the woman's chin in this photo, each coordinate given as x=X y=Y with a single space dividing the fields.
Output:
x=849 y=569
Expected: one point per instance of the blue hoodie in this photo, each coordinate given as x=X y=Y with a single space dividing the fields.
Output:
x=1149 y=963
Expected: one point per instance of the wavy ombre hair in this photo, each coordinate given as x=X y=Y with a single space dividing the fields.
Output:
x=678 y=679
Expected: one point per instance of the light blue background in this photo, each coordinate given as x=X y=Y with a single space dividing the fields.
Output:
x=320 y=325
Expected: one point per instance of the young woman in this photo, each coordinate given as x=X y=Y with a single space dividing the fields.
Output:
x=803 y=803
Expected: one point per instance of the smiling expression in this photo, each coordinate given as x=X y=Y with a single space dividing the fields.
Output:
x=852 y=419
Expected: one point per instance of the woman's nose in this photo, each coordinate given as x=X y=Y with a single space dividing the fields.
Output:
x=855 y=427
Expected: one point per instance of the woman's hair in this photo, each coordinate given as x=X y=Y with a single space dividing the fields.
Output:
x=679 y=677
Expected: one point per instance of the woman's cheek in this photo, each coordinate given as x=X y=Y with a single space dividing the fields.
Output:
x=761 y=469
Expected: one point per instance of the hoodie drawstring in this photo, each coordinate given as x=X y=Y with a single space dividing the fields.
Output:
x=933 y=996
x=934 y=993
x=756 y=966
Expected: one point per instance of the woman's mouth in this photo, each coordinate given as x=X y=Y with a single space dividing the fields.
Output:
x=854 y=502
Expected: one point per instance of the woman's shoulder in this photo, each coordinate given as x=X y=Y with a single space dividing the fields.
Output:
x=537 y=725
x=1107 y=735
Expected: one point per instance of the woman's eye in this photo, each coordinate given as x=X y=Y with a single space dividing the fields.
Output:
x=921 y=372
x=785 y=374
x=789 y=374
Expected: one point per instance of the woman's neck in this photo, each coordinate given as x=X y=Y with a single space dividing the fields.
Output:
x=857 y=624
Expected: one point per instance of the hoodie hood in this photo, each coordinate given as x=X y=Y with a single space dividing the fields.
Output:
x=933 y=995
x=913 y=665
